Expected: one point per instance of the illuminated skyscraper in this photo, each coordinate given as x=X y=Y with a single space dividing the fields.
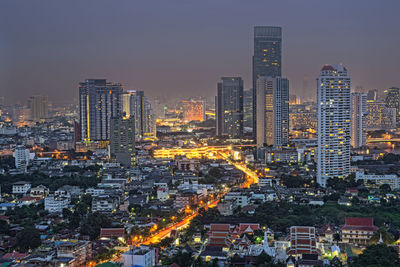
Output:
x=372 y=95
x=358 y=119
x=229 y=107
x=135 y=104
x=39 y=107
x=393 y=100
x=272 y=111
x=267 y=59
x=99 y=101
x=333 y=155
x=193 y=110
x=122 y=141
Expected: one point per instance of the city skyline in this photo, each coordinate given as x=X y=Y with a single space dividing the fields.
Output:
x=134 y=48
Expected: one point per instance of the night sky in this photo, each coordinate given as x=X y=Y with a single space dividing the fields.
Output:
x=182 y=47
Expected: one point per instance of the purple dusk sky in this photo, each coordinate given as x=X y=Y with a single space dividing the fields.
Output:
x=182 y=47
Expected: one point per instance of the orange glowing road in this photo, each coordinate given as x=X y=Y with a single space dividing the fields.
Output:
x=184 y=223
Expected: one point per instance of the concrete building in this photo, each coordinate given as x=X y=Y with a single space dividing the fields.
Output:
x=379 y=116
x=272 y=111
x=229 y=107
x=21 y=187
x=73 y=253
x=302 y=240
x=55 y=204
x=139 y=256
x=358 y=119
x=267 y=59
x=105 y=203
x=392 y=100
x=193 y=110
x=39 y=107
x=22 y=158
x=358 y=230
x=99 y=101
x=376 y=180
x=122 y=141
x=333 y=154
x=136 y=105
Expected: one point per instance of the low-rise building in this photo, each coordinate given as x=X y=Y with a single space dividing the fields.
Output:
x=376 y=180
x=105 y=203
x=55 y=204
x=358 y=230
x=141 y=256
x=302 y=240
x=241 y=198
x=21 y=187
x=73 y=253
x=39 y=191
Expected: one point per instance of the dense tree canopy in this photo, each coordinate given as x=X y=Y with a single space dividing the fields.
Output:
x=377 y=255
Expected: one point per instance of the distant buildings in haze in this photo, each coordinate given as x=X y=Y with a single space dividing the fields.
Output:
x=229 y=107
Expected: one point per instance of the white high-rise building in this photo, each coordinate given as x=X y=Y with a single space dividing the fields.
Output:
x=272 y=111
x=358 y=117
x=22 y=157
x=333 y=155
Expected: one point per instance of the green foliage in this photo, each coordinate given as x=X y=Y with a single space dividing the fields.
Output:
x=294 y=181
x=4 y=227
x=92 y=223
x=29 y=238
x=377 y=255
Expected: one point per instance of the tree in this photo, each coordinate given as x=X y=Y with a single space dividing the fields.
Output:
x=386 y=237
x=29 y=238
x=385 y=188
x=92 y=224
x=4 y=227
x=377 y=255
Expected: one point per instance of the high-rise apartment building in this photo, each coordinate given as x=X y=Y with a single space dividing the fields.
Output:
x=193 y=110
x=22 y=158
x=267 y=59
x=358 y=118
x=99 y=101
x=248 y=108
x=135 y=104
x=122 y=140
x=379 y=116
x=392 y=99
x=333 y=100
x=272 y=111
x=229 y=107
x=39 y=107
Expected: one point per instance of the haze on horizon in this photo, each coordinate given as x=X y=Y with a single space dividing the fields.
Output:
x=181 y=48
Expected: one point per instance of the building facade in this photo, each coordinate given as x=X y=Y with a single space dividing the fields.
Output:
x=333 y=153
x=392 y=100
x=122 y=141
x=39 y=107
x=229 y=107
x=193 y=110
x=267 y=59
x=99 y=101
x=272 y=111
x=136 y=105
x=379 y=116
x=358 y=119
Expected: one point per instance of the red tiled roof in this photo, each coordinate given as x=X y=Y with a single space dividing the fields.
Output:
x=248 y=227
x=327 y=67
x=112 y=232
x=220 y=227
x=359 y=223
x=14 y=255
